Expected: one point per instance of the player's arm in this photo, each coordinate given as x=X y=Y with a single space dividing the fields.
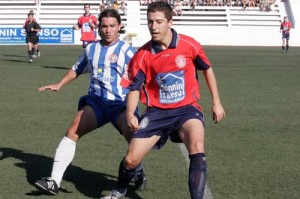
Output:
x=69 y=76
x=94 y=23
x=80 y=67
x=131 y=104
x=37 y=28
x=133 y=99
x=218 y=112
x=77 y=26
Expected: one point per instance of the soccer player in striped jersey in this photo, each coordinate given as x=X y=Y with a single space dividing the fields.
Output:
x=163 y=75
x=106 y=61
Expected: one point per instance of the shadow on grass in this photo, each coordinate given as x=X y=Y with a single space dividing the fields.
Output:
x=15 y=55
x=89 y=183
x=15 y=60
x=57 y=67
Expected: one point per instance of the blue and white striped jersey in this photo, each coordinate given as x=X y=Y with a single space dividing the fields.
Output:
x=106 y=65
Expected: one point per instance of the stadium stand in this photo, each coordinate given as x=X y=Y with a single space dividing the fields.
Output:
x=57 y=13
x=65 y=12
x=224 y=16
x=14 y=13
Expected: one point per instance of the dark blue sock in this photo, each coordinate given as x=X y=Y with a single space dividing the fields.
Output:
x=139 y=172
x=125 y=176
x=197 y=175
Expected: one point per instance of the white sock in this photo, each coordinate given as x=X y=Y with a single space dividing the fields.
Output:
x=63 y=157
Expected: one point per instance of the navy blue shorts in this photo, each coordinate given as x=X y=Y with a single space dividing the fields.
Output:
x=286 y=36
x=105 y=110
x=166 y=123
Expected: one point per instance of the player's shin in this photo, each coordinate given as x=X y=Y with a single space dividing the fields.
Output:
x=32 y=51
x=125 y=176
x=29 y=54
x=197 y=175
x=64 y=155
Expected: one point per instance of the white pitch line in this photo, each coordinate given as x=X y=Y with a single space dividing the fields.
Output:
x=207 y=192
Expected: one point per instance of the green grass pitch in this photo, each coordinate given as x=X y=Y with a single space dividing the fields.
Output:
x=252 y=154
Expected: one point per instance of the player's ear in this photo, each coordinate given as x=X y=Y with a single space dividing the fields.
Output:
x=170 y=23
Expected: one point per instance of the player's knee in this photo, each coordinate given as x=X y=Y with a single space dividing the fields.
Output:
x=72 y=134
x=131 y=163
x=196 y=147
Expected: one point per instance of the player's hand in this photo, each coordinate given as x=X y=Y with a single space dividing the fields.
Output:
x=92 y=25
x=133 y=123
x=75 y=27
x=51 y=87
x=218 y=112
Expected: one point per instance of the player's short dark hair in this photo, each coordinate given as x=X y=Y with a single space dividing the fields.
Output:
x=161 y=6
x=86 y=4
x=111 y=13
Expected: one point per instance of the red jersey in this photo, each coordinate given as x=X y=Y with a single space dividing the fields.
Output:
x=169 y=77
x=87 y=32
x=285 y=27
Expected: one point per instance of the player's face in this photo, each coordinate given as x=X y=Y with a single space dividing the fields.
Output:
x=87 y=9
x=158 y=26
x=109 y=28
x=30 y=18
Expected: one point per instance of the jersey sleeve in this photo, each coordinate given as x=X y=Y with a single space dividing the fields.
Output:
x=79 y=22
x=200 y=60
x=82 y=65
x=37 y=26
x=95 y=20
x=135 y=65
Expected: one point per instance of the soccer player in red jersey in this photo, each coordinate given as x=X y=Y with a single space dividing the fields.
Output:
x=87 y=23
x=163 y=74
x=285 y=28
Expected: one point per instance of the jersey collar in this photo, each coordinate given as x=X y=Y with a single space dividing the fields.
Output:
x=155 y=47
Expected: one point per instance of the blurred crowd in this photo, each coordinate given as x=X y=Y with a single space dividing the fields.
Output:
x=263 y=5
x=120 y=6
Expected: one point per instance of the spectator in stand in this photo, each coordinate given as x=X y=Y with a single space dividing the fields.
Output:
x=123 y=9
x=271 y=5
x=245 y=4
x=263 y=6
x=220 y=2
x=193 y=5
x=252 y=3
x=102 y=6
x=109 y=5
x=36 y=46
x=177 y=10
x=32 y=28
x=116 y=5
x=285 y=28
x=88 y=23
